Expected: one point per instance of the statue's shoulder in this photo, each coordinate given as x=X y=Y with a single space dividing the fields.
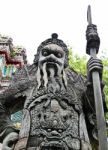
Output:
x=75 y=78
x=21 y=81
x=23 y=74
x=24 y=78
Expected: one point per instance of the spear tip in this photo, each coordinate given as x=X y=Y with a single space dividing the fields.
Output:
x=89 y=18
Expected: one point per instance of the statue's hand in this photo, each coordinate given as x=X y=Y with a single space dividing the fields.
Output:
x=93 y=40
x=10 y=141
x=94 y=64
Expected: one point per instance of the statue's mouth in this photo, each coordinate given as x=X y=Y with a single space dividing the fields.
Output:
x=53 y=146
x=51 y=65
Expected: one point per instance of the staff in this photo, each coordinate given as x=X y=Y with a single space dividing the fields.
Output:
x=101 y=125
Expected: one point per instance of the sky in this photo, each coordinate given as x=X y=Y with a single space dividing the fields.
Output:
x=29 y=22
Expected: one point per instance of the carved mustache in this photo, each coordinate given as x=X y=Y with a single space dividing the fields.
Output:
x=51 y=59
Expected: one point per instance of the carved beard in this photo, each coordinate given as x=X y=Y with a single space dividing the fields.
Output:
x=50 y=70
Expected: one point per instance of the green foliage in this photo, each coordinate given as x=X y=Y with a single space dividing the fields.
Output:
x=13 y=54
x=77 y=63
x=105 y=77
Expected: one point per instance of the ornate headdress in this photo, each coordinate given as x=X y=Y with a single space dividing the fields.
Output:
x=53 y=40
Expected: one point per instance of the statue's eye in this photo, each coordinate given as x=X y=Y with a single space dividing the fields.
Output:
x=45 y=53
x=59 y=55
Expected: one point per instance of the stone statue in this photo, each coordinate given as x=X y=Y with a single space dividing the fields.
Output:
x=58 y=103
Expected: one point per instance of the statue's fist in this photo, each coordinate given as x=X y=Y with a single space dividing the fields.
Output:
x=93 y=40
x=10 y=141
x=94 y=64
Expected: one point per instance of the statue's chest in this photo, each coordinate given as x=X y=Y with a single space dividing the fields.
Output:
x=51 y=114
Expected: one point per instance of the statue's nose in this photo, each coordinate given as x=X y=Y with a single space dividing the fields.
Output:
x=52 y=55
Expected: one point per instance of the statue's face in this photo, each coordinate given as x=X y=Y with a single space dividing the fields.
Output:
x=53 y=55
x=50 y=64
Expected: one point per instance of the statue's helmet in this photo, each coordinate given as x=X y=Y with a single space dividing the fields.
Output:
x=53 y=40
